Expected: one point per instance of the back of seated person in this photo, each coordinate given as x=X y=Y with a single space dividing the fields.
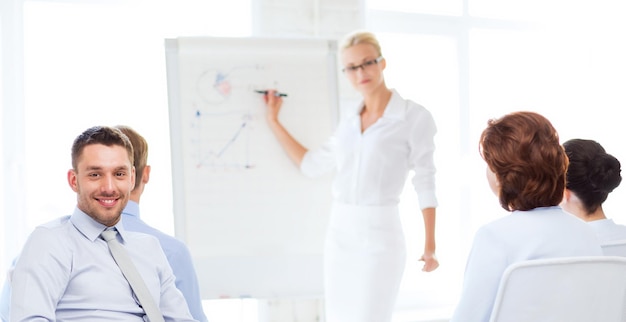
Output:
x=177 y=253
x=592 y=175
x=526 y=169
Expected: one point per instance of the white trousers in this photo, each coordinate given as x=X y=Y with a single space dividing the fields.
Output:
x=364 y=259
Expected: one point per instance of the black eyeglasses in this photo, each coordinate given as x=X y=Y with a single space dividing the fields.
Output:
x=367 y=64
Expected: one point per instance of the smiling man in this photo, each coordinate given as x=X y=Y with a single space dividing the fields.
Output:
x=66 y=272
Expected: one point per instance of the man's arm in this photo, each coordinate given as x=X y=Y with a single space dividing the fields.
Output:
x=41 y=274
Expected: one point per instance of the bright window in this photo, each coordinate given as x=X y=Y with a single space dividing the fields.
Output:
x=2 y=223
x=108 y=71
x=440 y=7
x=501 y=57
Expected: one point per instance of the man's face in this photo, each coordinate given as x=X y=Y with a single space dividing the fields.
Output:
x=103 y=179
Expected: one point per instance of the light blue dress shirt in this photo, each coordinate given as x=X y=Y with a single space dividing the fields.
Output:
x=5 y=298
x=178 y=256
x=66 y=273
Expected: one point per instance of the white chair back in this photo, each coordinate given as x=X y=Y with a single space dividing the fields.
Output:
x=615 y=248
x=572 y=289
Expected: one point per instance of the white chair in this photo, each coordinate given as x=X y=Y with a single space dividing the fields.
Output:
x=570 y=289
x=615 y=248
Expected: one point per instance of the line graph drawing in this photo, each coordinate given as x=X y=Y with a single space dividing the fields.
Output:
x=223 y=122
x=231 y=141
x=228 y=148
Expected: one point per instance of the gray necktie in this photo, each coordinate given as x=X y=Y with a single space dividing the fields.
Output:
x=132 y=276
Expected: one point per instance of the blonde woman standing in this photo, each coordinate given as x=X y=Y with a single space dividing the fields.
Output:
x=373 y=149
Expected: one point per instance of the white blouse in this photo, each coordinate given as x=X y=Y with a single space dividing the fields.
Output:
x=372 y=166
x=545 y=232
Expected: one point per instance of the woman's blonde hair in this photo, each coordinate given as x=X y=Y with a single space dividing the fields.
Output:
x=361 y=37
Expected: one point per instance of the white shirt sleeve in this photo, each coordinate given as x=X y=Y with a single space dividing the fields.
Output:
x=319 y=161
x=421 y=158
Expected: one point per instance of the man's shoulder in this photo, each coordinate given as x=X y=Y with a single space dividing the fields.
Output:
x=55 y=223
x=166 y=240
x=55 y=226
x=175 y=250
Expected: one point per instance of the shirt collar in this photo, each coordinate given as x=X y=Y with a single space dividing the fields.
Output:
x=395 y=109
x=90 y=228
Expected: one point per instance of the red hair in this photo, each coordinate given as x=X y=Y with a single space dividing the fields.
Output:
x=524 y=152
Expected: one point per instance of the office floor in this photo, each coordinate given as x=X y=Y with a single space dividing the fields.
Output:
x=423 y=315
x=301 y=310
